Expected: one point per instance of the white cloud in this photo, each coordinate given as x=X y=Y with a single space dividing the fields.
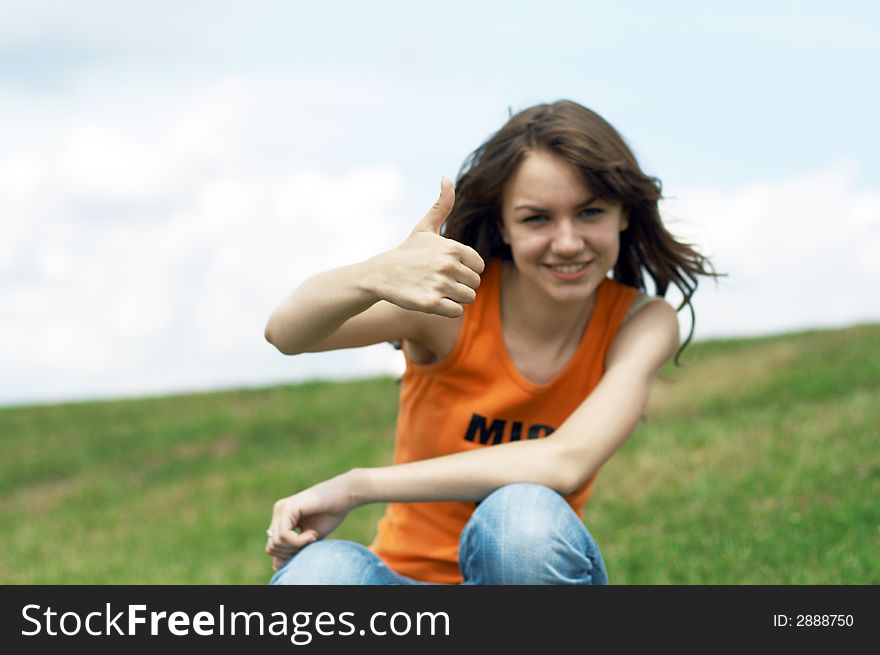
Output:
x=137 y=258
x=798 y=253
x=149 y=229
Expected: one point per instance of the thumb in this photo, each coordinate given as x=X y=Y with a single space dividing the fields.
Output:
x=440 y=210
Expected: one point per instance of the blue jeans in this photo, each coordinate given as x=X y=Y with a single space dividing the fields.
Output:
x=519 y=534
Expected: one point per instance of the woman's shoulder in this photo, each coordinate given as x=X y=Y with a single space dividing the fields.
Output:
x=639 y=301
x=649 y=330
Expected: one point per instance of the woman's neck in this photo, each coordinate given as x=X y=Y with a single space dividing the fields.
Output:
x=529 y=315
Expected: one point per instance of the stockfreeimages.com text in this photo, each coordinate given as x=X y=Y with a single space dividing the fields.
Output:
x=300 y=627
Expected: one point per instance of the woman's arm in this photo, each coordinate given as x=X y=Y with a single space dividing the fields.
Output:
x=562 y=461
x=426 y=273
x=318 y=308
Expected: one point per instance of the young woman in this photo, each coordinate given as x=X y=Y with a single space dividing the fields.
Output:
x=530 y=350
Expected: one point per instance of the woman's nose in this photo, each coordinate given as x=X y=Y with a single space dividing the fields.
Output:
x=566 y=240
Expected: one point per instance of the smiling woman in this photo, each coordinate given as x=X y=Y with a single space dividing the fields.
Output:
x=527 y=365
x=562 y=241
x=562 y=157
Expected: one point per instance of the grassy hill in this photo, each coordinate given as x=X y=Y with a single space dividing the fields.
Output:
x=759 y=462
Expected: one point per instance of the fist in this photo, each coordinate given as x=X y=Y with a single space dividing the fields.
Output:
x=428 y=272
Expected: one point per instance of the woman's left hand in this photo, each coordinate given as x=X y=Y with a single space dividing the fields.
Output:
x=307 y=516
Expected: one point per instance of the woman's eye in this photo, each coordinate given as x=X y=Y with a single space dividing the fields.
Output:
x=591 y=212
x=535 y=219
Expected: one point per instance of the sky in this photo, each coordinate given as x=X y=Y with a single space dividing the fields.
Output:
x=169 y=171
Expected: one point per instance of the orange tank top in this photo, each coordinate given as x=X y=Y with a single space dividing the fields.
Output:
x=477 y=398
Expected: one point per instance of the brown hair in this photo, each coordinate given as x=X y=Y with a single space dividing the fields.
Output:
x=609 y=169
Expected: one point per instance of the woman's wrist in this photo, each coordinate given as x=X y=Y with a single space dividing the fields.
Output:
x=369 y=280
x=357 y=486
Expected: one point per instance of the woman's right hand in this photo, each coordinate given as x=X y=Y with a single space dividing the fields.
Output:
x=428 y=272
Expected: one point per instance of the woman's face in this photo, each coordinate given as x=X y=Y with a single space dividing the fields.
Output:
x=564 y=240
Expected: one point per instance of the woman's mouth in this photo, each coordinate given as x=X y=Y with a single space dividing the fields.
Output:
x=568 y=271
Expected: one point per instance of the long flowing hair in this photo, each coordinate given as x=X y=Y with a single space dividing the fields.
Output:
x=609 y=169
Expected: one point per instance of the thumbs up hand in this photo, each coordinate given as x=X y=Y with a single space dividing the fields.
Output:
x=428 y=272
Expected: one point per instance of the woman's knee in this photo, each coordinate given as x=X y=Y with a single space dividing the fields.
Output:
x=327 y=562
x=528 y=534
x=530 y=511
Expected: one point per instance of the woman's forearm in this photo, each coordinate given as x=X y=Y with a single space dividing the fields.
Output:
x=563 y=461
x=319 y=307
x=426 y=273
x=466 y=476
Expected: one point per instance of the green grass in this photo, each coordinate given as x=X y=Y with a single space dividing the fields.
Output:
x=758 y=463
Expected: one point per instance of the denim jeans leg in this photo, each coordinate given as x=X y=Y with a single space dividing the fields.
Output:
x=528 y=534
x=337 y=562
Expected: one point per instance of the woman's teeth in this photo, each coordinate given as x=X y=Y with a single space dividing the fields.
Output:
x=569 y=268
